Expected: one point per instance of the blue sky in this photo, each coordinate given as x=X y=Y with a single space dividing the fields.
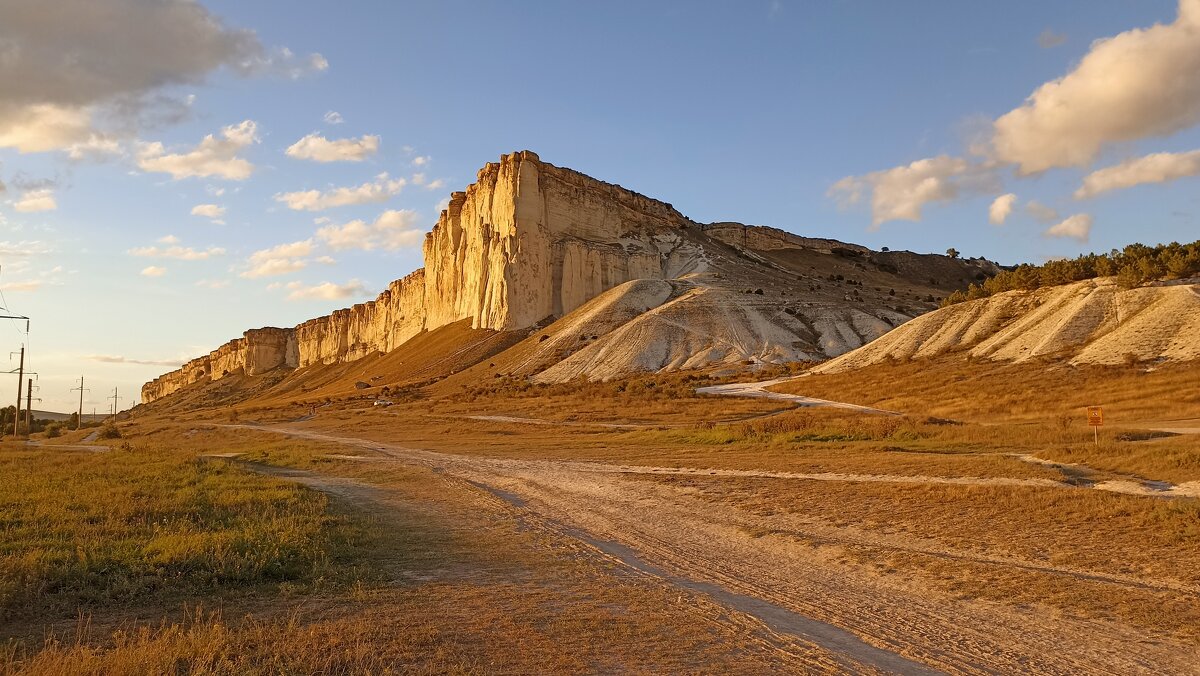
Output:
x=746 y=111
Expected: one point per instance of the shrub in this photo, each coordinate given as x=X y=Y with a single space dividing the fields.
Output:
x=110 y=431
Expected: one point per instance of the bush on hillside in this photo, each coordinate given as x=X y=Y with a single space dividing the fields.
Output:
x=1133 y=266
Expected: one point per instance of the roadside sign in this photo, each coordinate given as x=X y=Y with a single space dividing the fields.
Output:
x=1095 y=416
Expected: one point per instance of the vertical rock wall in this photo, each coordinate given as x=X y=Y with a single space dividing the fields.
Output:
x=525 y=242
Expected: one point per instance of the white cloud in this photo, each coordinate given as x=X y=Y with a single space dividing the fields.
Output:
x=392 y=230
x=325 y=290
x=23 y=249
x=421 y=160
x=1000 y=209
x=279 y=260
x=168 y=239
x=153 y=271
x=78 y=75
x=117 y=359
x=436 y=184
x=177 y=252
x=213 y=283
x=900 y=193
x=1040 y=212
x=213 y=156
x=317 y=148
x=29 y=285
x=213 y=212
x=333 y=117
x=379 y=190
x=36 y=200
x=1156 y=168
x=1078 y=227
x=1138 y=84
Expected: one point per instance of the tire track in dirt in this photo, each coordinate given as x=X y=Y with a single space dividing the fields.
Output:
x=691 y=540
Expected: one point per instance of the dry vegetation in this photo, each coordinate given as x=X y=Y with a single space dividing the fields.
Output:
x=177 y=563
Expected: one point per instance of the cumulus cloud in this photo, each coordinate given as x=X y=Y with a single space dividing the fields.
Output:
x=79 y=74
x=279 y=260
x=1040 y=212
x=421 y=160
x=1138 y=84
x=36 y=200
x=333 y=117
x=900 y=193
x=177 y=252
x=1156 y=168
x=214 y=212
x=392 y=230
x=117 y=359
x=325 y=290
x=168 y=239
x=379 y=190
x=1000 y=209
x=1077 y=227
x=153 y=271
x=1048 y=39
x=317 y=148
x=213 y=156
x=435 y=184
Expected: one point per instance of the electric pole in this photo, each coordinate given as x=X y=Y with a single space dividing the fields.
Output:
x=114 y=398
x=79 y=420
x=29 y=407
x=20 y=377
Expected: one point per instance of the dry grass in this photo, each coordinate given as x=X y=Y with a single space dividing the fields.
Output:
x=82 y=529
x=987 y=392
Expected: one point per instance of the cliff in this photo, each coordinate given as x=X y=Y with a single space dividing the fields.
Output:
x=529 y=243
x=525 y=242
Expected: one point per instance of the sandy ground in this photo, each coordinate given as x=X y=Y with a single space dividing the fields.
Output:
x=761 y=390
x=801 y=593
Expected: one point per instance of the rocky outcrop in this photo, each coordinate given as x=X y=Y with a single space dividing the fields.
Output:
x=256 y=352
x=763 y=238
x=529 y=242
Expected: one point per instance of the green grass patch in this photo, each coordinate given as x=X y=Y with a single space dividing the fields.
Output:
x=134 y=525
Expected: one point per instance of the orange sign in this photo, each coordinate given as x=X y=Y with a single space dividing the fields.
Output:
x=1095 y=416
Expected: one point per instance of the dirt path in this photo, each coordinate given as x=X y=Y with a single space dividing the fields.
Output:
x=759 y=390
x=872 y=622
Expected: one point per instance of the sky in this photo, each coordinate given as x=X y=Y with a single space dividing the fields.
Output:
x=175 y=172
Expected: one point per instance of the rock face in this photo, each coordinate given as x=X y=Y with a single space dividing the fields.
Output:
x=529 y=242
x=1088 y=322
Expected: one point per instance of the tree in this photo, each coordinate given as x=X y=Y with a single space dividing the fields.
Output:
x=952 y=252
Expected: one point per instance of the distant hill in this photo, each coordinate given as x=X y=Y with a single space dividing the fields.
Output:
x=1088 y=322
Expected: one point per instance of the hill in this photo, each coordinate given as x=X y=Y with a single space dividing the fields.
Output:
x=1088 y=322
x=601 y=281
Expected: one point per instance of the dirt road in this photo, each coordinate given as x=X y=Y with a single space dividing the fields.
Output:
x=761 y=390
x=802 y=592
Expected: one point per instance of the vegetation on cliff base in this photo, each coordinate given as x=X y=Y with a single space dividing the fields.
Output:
x=1133 y=266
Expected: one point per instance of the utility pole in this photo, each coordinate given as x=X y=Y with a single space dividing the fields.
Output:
x=20 y=377
x=114 y=398
x=29 y=407
x=79 y=420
